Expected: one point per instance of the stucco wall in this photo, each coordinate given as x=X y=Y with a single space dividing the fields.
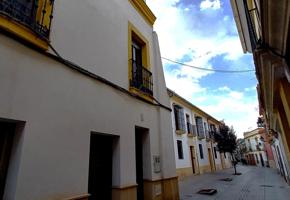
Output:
x=61 y=107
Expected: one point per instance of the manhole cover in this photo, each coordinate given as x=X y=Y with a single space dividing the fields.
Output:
x=266 y=185
x=238 y=174
x=207 y=191
x=226 y=179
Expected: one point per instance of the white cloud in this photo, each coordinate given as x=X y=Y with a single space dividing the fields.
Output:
x=236 y=95
x=178 y=38
x=237 y=111
x=225 y=88
x=254 y=88
x=210 y=4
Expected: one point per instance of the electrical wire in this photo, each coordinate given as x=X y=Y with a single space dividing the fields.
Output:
x=80 y=69
x=206 y=69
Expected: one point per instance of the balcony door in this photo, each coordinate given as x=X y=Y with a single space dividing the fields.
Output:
x=137 y=63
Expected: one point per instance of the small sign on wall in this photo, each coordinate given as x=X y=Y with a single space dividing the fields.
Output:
x=156 y=164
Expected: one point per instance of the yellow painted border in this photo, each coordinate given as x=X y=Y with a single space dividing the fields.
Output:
x=22 y=32
x=133 y=32
x=144 y=11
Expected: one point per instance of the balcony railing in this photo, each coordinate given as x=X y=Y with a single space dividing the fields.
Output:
x=254 y=23
x=191 y=129
x=212 y=134
x=141 y=78
x=29 y=15
x=259 y=148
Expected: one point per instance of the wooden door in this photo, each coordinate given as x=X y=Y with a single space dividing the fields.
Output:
x=192 y=153
x=210 y=159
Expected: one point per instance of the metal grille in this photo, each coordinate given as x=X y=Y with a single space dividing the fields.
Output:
x=191 y=129
x=25 y=12
x=141 y=78
x=254 y=23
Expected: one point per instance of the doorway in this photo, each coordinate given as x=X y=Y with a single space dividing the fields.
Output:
x=192 y=153
x=262 y=160
x=210 y=159
x=7 y=132
x=100 y=166
x=142 y=147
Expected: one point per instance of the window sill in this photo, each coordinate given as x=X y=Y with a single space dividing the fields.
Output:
x=200 y=137
x=141 y=94
x=191 y=135
x=22 y=32
x=179 y=132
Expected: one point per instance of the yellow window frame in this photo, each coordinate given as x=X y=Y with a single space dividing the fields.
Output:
x=24 y=32
x=135 y=34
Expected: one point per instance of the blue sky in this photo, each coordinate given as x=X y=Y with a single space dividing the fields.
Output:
x=203 y=33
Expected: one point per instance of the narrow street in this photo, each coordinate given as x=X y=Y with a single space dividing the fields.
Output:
x=255 y=183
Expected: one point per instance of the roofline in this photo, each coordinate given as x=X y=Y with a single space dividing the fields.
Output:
x=193 y=106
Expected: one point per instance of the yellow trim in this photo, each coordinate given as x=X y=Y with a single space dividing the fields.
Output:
x=141 y=94
x=79 y=197
x=144 y=11
x=22 y=32
x=134 y=33
x=285 y=99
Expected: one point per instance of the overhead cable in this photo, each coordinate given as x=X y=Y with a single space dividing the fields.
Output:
x=207 y=69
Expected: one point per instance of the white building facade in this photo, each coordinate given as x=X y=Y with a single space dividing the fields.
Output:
x=193 y=134
x=84 y=108
x=256 y=154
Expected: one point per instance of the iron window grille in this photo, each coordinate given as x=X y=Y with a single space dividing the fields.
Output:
x=191 y=129
x=141 y=78
x=199 y=126
x=179 y=118
x=25 y=12
x=254 y=23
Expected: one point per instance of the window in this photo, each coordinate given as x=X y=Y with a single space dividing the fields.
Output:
x=179 y=149
x=28 y=19
x=200 y=151
x=140 y=76
x=215 y=154
x=179 y=118
x=199 y=126
x=188 y=124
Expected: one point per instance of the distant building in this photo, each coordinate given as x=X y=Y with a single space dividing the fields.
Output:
x=193 y=132
x=255 y=154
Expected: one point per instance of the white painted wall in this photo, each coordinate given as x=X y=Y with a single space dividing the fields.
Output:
x=186 y=141
x=61 y=107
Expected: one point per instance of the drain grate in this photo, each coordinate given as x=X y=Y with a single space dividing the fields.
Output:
x=266 y=185
x=226 y=179
x=207 y=191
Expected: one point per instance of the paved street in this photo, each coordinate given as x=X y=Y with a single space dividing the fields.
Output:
x=254 y=184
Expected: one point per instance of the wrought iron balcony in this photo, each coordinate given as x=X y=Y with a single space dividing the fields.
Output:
x=28 y=13
x=254 y=24
x=200 y=132
x=141 y=78
x=191 y=129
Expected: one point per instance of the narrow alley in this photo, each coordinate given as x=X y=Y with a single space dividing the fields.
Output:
x=255 y=183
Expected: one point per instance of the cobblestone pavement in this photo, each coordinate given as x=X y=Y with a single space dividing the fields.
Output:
x=255 y=183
